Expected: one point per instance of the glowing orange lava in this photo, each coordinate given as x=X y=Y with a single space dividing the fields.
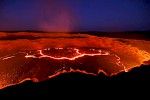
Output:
x=48 y=57
x=119 y=63
x=62 y=62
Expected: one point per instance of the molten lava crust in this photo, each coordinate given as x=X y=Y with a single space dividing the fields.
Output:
x=37 y=57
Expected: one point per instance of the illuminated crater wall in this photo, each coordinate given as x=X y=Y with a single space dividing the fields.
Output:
x=42 y=56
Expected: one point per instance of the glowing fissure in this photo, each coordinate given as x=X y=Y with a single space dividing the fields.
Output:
x=119 y=63
x=77 y=51
x=8 y=57
x=60 y=58
x=43 y=68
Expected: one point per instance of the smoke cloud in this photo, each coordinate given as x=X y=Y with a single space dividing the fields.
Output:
x=75 y=15
x=36 y=15
x=55 y=16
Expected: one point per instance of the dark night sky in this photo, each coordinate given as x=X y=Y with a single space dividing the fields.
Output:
x=74 y=15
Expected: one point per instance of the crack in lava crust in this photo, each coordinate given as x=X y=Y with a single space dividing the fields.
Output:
x=42 y=55
x=41 y=64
